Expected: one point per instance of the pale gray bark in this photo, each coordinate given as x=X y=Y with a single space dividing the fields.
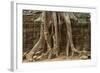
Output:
x=41 y=41
x=69 y=34
x=56 y=38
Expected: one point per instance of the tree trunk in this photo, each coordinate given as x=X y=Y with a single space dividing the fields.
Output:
x=56 y=38
x=69 y=34
x=53 y=36
x=40 y=43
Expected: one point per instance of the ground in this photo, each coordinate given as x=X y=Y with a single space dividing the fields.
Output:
x=59 y=58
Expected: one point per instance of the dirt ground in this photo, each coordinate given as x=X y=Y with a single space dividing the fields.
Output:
x=59 y=58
